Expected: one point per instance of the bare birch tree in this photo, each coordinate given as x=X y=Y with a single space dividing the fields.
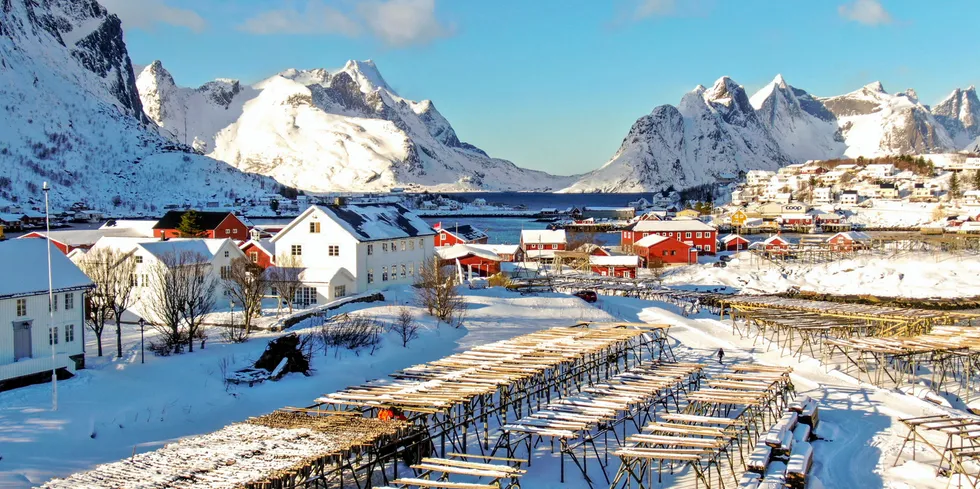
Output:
x=284 y=277
x=119 y=289
x=98 y=266
x=435 y=290
x=200 y=300
x=164 y=299
x=246 y=284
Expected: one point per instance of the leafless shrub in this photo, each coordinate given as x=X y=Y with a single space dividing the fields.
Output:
x=436 y=291
x=351 y=333
x=405 y=326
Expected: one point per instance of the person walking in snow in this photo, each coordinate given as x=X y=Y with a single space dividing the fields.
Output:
x=721 y=356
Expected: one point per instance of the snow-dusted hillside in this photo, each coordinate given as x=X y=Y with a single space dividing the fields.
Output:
x=321 y=130
x=960 y=115
x=720 y=131
x=70 y=115
x=712 y=131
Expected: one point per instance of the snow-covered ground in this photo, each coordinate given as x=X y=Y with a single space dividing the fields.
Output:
x=117 y=406
x=893 y=275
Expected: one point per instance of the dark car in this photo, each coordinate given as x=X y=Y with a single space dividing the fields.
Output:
x=587 y=295
x=725 y=258
x=720 y=264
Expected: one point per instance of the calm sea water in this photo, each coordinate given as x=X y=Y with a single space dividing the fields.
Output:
x=507 y=230
x=537 y=200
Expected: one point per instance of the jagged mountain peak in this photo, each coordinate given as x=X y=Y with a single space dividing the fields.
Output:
x=367 y=75
x=724 y=88
x=874 y=86
x=779 y=81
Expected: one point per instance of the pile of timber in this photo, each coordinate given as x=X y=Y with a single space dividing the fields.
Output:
x=940 y=339
x=439 y=385
x=783 y=457
x=834 y=308
x=256 y=453
x=441 y=473
x=604 y=402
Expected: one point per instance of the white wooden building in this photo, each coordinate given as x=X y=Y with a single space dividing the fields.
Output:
x=27 y=334
x=351 y=248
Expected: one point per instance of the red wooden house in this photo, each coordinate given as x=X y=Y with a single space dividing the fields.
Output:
x=260 y=252
x=654 y=248
x=214 y=224
x=542 y=244
x=459 y=234
x=614 y=265
x=776 y=244
x=734 y=242
x=698 y=234
x=481 y=260
x=849 y=241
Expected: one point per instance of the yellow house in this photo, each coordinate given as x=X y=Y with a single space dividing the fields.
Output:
x=689 y=213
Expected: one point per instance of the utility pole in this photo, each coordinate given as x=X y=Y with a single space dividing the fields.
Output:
x=51 y=333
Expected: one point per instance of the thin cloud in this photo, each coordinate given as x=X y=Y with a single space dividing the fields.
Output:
x=316 y=18
x=147 y=14
x=397 y=23
x=655 y=8
x=867 y=12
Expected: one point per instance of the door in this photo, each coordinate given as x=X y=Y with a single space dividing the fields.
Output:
x=22 y=340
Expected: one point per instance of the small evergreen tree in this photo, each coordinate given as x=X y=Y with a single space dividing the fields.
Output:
x=976 y=180
x=954 y=186
x=190 y=224
x=274 y=205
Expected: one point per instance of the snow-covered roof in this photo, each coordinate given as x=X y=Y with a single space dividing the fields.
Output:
x=500 y=249
x=650 y=240
x=614 y=260
x=27 y=260
x=776 y=239
x=264 y=244
x=369 y=222
x=207 y=248
x=460 y=250
x=543 y=236
x=855 y=236
x=610 y=209
x=540 y=253
x=672 y=225
x=729 y=237
x=87 y=237
x=465 y=232
x=8 y=217
x=323 y=275
x=142 y=226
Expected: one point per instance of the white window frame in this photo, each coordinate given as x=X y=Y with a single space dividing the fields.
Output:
x=53 y=335
x=314 y=227
x=296 y=250
x=69 y=301
x=69 y=333
x=333 y=250
x=370 y=276
x=339 y=291
x=687 y=234
x=21 y=307
x=370 y=249
x=253 y=256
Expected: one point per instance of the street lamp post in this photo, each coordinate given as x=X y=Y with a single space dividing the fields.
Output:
x=142 y=323
x=231 y=302
x=53 y=337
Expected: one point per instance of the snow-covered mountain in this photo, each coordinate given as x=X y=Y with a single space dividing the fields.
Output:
x=711 y=132
x=721 y=131
x=874 y=123
x=960 y=115
x=70 y=114
x=321 y=130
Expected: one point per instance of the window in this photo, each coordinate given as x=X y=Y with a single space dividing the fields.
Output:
x=296 y=250
x=139 y=259
x=54 y=303
x=554 y=247
x=707 y=247
x=370 y=276
x=698 y=247
x=340 y=291
x=384 y=274
x=421 y=243
x=420 y=269
x=69 y=333
x=404 y=270
x=411 y=245
x=53 y=335
x=314 y=227
x=234 y=231
x=673 y=252
x=226 y=272
x=227 y=254
x=687 y=234
x=227 y=231
x=698 y=234
x=370 y=249
x=384 y=247
x=254 y=256
x=665 y=252
x=69 y=301
x=394 y=246
x=404 y=245
x=133 y=282
x=411 y=267
x=21 y=307
x=333 y=250
x=305 y=296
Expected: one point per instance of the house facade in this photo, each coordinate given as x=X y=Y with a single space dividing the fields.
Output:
x=27 y=332
x=459 y=234
x=849 y=241
x=623 y=266
x=215 y=225
x=734 y=242
x=655 y=248
x=696 y=233
x=541 y=244
x=360 y=247
x=261 y=252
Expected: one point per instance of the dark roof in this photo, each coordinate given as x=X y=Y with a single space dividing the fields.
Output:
x=465 y=231
x=920 y=185
x=372 y=222
x=886 y=185
x=207 y=220
x=851 y=192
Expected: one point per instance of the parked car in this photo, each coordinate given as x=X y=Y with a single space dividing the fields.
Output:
x=587 y=295
x=725 y=258
x=720 y=264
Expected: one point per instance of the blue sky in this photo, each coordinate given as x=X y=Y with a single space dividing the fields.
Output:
x=556 y=84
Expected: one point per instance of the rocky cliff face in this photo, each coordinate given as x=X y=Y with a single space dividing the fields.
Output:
x=70 y=114
x=323 y=130
x=720 y=131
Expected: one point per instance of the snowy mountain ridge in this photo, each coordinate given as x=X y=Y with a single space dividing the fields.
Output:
x=328 y=130
x=720 y=131
x=70 y=115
